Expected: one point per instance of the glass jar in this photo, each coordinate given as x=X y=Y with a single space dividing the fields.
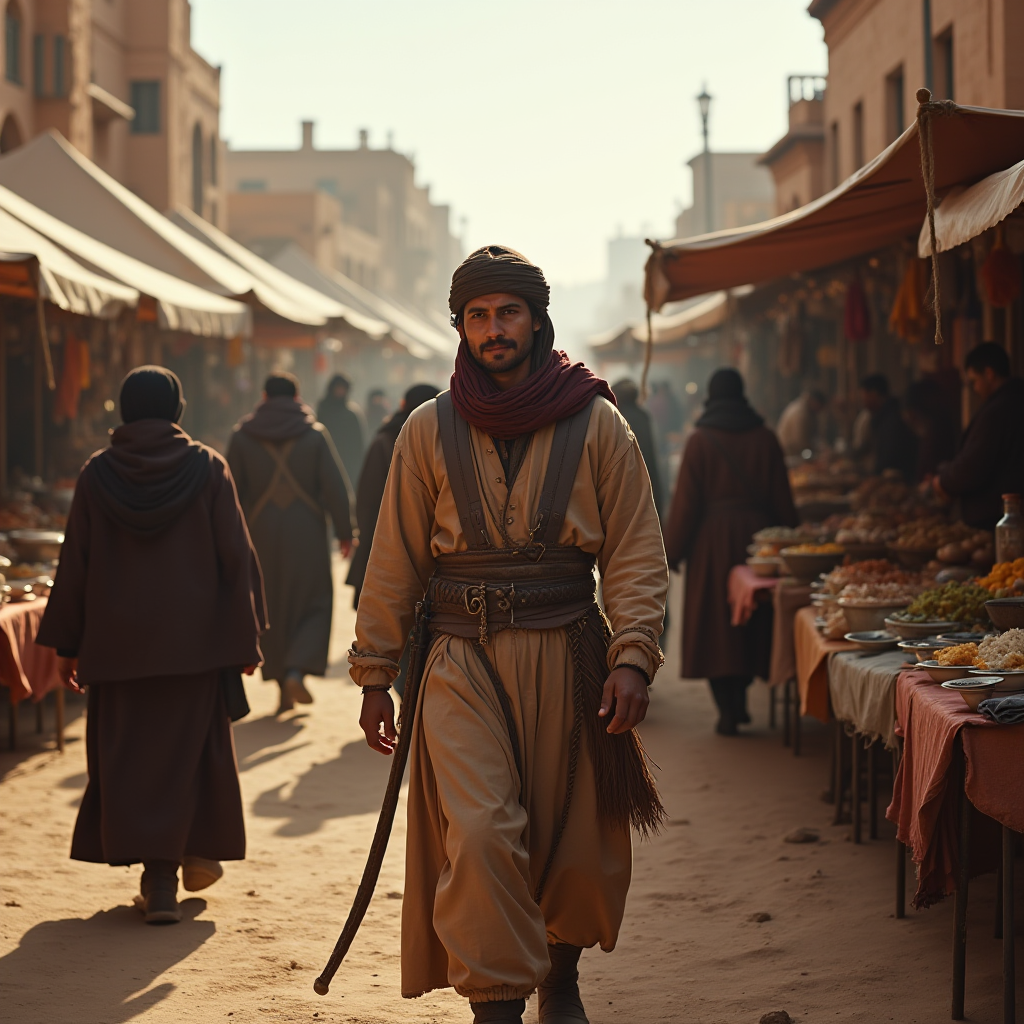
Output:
x=1010 y=531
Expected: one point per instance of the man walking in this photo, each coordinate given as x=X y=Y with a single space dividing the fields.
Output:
x=289 y=478
x=345 y=424
x=156 y=610
x=526 y=772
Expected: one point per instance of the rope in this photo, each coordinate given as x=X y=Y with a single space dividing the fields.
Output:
x=926 y=110
x=648 y=352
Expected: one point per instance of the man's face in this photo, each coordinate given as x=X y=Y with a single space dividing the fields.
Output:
x=499 y=331
x=340 y=391
x=984 y=382
x=871 y=400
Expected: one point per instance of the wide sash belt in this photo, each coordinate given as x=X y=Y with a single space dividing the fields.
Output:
x=476 y=593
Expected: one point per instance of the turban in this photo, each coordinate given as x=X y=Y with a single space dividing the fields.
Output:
x=151 y=393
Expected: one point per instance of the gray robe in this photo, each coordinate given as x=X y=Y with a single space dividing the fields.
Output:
x=293 y=544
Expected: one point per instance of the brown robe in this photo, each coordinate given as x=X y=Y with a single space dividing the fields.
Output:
x=153 y=620
x=717 y=507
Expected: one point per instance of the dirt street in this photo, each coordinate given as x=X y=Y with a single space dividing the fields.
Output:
x=73 y=949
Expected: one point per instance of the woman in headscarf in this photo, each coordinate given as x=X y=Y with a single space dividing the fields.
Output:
x=732 y=483
x=155 y=612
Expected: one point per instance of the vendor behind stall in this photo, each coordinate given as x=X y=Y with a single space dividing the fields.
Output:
x=991 y=458
x=732 y=483
x=890 y=443
x=156 y=609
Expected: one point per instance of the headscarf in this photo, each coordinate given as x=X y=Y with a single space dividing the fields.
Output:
x=152 y=471
x=555 y=388
x=413 y=399
x=727 y=407
x=278 y=419
x=151 y=393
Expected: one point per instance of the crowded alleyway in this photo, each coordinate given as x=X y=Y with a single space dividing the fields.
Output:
x=692 y=948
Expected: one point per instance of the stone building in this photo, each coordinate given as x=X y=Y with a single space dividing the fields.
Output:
x=740 y=193
x=358 y=211
x=120 y=80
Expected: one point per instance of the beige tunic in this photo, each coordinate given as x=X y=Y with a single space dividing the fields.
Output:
x=475 y=852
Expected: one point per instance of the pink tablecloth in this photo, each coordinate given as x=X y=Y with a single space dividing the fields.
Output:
x=26 y=669
x=924 y=804
x=744 y=585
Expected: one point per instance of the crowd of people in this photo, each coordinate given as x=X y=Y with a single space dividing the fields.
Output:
x=488 y=506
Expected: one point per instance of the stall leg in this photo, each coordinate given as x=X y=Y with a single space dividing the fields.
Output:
x=960 y=902
x=58 y=705
x=771 y=707
x=838 y=786
x=855 y=793
x=901 y=856
x=12 y=720
x=786 y=724
x=39 y=717
x=1009 y=951
x=873 y=791
x=796 y=723
x=997 y=923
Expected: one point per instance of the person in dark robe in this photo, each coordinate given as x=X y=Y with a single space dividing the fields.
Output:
x=892 y=444
x=289 y=480
x=155 y=612
x=627 y=394
x=928 y=415
x=344 y=423
x=732 y=483
x=374 y=477
x=990 y=462
x=377 y=409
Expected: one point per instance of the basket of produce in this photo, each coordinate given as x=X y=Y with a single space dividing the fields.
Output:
x=1005 y=580
x=808 y=561
x=1006 y=612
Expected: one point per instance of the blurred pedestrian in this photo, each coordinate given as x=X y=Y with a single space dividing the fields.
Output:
x=377 y=409
x=892 y=444
x=627 y=394
x=732 y=483
x=289 y=479
x=799 y=428
x=155 y=612
x=928 y=416
x=345 y=424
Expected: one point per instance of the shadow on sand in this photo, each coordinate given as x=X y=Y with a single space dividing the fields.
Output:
x=253 y=735
x=93 y=971
x=353 y=783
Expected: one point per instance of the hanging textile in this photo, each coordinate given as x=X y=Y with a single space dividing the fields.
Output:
x=856 y=319
x=907 y=319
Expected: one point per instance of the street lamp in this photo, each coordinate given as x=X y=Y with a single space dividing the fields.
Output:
x=704 y=102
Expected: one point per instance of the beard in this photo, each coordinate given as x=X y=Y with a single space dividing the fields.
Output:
x=522 y=353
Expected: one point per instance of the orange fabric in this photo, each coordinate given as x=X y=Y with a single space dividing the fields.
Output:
x=744 y=585
x=907 y=319
x=26 y=669
x=70 y=387
x=924 y=804
x=812 y=651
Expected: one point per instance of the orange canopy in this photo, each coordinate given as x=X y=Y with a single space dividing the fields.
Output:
x=880 y=204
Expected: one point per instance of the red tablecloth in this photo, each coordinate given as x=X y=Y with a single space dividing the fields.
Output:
x=788 y=599
x=744 y=585
x=26 y=669
x=924 y=804
x=812 y=651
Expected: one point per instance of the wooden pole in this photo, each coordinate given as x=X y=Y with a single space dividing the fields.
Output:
x=37 y=407
x=3 y=400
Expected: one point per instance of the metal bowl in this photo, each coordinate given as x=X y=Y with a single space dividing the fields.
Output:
x=923 y=650
x=963 y=637
x=1006 y=612
x=973 y=690
x=36 y=545
x=874 y=640
x=943 y=673
x=918 y=630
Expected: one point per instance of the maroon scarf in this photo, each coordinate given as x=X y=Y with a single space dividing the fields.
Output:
x=551 y=393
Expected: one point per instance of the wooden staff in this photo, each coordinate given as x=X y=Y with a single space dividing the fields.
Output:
x=417 y=661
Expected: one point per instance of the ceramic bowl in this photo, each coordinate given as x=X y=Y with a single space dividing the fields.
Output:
x=1011 y=680
x=918 y=630
x=943 y=673
x=973 y=689
x=37 y=545
x=862 y=617
x=964 y=637
x=923 y=650
x=873 y=639
x=764 y=566
x=1006 y=612
x=809 y=566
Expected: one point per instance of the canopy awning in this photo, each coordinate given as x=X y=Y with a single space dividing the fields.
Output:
x=181 y=306
x=61 y=280
x=419 y=337
x=880 y=204
x=54 y=176
x=966 y=213
x=704 y=315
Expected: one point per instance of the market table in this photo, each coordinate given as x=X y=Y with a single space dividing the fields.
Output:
x=955 y=759
x=788 y=598
x=26 y=669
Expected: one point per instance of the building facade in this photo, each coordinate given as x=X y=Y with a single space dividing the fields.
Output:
x=120 y=80
x=738 y=192
x=387 y=234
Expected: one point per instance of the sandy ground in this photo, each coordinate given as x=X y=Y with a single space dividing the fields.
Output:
x=73 y=949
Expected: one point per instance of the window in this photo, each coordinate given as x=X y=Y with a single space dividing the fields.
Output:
x=197 y=169
x=894 y=121
x=60 y=65
x=833 y=155
x=942 y=51
x=12 y=43
x=213 y=160
x=858 y=136
x=146 y=101
x=39 y=65
x=252 y=185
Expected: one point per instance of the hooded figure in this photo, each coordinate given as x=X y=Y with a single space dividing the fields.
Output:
x=155 y=611
x=289 y=480
x=344 y=423
x=503 y=496
x=627 y=396
x=732 y=483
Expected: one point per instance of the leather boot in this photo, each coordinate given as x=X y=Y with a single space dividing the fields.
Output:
x=159 y=902
x=558 y=997
x=508 y=1011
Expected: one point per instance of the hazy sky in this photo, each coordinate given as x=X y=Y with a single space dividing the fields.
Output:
x=548 y=124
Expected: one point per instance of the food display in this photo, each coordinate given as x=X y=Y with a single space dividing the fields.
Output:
x=952 y=543
x=865 y=528
x=883 y=492
x=873 y=573
x=1005 y=580
x=1002 y=653
x=21 y=513
x=962 y=654
x=890 y=595
x=784 y=535
x=952 y=602
x=814 y=549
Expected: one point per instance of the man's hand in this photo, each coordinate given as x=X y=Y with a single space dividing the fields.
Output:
x=625 y=690
x=377 y=720
x=67 y=669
